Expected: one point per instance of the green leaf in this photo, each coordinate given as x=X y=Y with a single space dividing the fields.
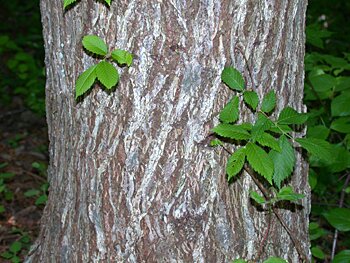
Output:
x=235 y=163
x=15 y=247
x=239 y=261
x=315 y=231
x=230 y=112
x=15 y=259
x=317 y=252
x=319 y=148
x=32 y=192
x=275 y=260
x=268 y=140
x=341 y=159
x=233 y=78
x=6 y=175
x=343 y=83
x=318 y=132
x=260 y=126
x=342 y=257
x=215 y=142
x=41 y=200
x=67 y=3
x=6 y=255
x=287 y=193
x=339 y=218
x=122 y=57
x=231 y=131
x=251 y=98
x=280 y=129
x=283 y=161
x=2 y=209
x=290 y=116
x=260 y=161
x=257 y=198
x=323 y=82
x=340 y=105
x=95 y=45
x=269 y=102
x=85 y=81
x=107 y=74
x=108 y=2
x=341 y=124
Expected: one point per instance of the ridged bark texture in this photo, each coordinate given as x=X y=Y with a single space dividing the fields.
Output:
x=132 y=178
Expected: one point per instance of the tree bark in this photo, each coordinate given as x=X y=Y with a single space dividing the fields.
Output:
x=132 y=178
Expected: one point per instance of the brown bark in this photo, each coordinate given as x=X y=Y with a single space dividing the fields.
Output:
x=131 y=176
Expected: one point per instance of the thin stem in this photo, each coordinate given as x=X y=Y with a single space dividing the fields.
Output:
x=239 y=48
x=341 y=203
x=295 y=241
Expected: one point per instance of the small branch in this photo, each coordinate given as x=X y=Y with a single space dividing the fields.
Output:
x=263 y=241
x=295 y=241
x=239 y=48
x=262 y=188
x=341 y=203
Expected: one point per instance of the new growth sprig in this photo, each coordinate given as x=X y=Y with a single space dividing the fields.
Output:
x=104 y=71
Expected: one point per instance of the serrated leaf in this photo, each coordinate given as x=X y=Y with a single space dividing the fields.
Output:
x=260 y=161
x=283 y=161
x=235 y=163
x=15 y=247
x=257 y=198
x=231 y=131
x=342 y=257
x=246 y=125
x=280 y=129
x=95 y=45
x=85 y=81
x=317 y=252
x=67 y=3
x=290 y=116
x=108 y=2
x=268 y=140
x=321 y=149
x=260 y=126
x=107 y=74
x=230 y=112
x=275 y=260
x=269 y=102
x=287 y=193
x=251 y=98
x=339 y=218
x=122 y=57
x=232 y=78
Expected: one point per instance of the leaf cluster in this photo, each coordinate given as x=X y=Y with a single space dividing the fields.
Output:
x=267 y=144
x=104 y=71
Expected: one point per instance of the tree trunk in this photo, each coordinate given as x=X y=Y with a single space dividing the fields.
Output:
x=132 y=178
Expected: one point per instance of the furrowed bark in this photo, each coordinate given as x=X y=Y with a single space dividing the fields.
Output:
x=132 y=178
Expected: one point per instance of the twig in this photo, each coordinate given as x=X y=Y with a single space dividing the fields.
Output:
x=263 y=241
x=341 y=203
x=262 y=188
x=295 y=241
x=239 y=48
